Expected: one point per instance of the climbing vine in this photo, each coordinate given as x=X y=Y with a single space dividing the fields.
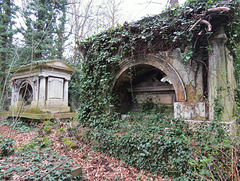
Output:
x=187 y=27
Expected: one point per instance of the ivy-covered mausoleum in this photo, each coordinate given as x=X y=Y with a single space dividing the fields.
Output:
x=181 y=58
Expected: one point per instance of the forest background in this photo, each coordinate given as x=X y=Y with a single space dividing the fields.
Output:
x=33 y=30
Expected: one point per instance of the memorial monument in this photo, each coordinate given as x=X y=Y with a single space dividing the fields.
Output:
x=40 y=89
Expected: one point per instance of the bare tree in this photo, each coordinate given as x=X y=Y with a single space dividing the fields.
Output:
x=79 y=13
x=112 y=11
x=87 y=17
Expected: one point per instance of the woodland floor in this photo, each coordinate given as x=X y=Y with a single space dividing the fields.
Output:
x=95 y=165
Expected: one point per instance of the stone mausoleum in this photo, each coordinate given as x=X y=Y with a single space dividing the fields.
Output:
x=40 y=88
x=196 y=80
x=191 y=89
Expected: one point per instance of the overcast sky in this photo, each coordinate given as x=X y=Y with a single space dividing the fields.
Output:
x=136 y=9
x=131 y=10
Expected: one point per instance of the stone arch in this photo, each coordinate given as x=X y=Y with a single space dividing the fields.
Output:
x=26 y=92
x=160 y=64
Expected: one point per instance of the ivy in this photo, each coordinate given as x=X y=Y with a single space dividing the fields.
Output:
x=6 y=146
x=167 y=146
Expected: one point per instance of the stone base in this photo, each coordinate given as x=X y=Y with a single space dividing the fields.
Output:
x=40 y=109
x=38 y=116
x=61 y=109
x=229 y=127
x=190 y=110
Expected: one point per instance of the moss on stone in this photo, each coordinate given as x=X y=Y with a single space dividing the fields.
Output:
x=38 y=116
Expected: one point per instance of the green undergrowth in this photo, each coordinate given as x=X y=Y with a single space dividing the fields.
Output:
x=6 y=146
x=166 y=146
x=33 y=160
x=20 y=125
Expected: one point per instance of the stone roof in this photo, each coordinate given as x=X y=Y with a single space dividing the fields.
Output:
x=55 y=64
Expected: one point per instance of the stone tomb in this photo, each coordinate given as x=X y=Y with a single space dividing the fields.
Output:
x=40 y=87
x=161 y=93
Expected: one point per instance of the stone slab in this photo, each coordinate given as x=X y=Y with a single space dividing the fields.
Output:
x=76 y=172
x=41 y=116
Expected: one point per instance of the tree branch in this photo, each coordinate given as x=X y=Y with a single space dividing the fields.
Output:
x=195 y=24
x=203 y=16
x=207 y=23
x=213 y=10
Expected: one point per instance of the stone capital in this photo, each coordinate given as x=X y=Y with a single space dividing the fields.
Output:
x=219 y=38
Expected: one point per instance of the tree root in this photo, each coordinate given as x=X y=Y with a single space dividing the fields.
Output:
x=202 y=17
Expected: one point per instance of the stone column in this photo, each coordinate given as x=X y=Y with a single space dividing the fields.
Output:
x=65 y=94
x=221 y=80
x=13 y=98
x=35 y=86
x=35 y=89
x=42 y=91
x=16 y=89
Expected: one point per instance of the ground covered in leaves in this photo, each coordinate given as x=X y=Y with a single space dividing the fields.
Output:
x=48 y=151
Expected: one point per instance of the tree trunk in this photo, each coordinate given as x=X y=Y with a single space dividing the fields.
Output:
x=173 y=2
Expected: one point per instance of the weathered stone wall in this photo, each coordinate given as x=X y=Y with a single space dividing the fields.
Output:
x=190 y=73
x=186 y=78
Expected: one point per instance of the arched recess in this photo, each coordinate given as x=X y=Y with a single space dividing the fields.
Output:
x=26 y=93
x=156 y=63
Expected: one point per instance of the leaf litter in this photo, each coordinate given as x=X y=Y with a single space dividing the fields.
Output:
x=96 y=166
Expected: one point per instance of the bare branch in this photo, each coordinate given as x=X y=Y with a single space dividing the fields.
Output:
x=207 y=23
x=203 y=16
x=213 y=10
x=195 y=24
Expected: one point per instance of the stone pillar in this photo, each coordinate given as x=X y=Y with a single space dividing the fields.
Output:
x=42 y=91
x=65 y=94
x=35 y=89
x=15 y=93
x=221 y=81
x=35 y=86
x=13 y=98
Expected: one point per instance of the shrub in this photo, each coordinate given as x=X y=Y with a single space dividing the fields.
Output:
x=215 y=155
x=168 y=146
x=150 y=143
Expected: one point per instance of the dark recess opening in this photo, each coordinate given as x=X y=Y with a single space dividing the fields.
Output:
x=141 y=82
x=26 y=93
